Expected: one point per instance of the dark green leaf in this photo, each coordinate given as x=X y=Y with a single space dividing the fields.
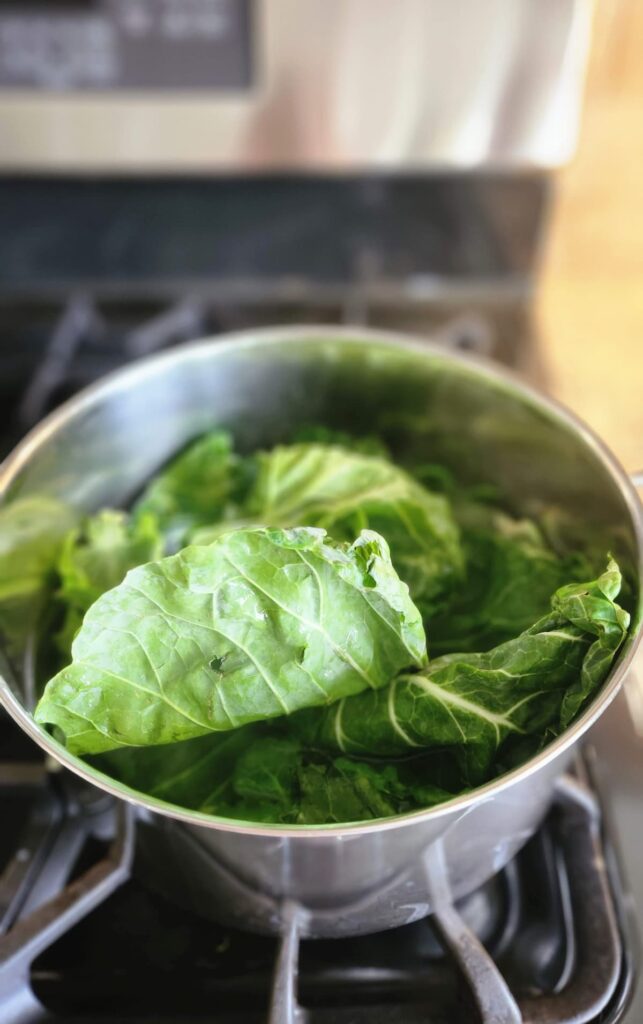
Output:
x=196 y=773
x=510 y=576
x=472 y=702
x=347 y=789
x=266 y=774
x=255 y=774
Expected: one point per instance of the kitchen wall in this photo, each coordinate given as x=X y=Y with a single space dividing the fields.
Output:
x=591 y=297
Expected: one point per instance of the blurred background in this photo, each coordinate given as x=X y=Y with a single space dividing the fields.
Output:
x=590 y=302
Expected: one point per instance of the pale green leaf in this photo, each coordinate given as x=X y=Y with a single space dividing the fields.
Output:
x=96 y=556
x=31 y=533
x=258 y=624
x=344 y=492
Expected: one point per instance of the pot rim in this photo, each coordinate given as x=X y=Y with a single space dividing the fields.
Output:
x=498 y=375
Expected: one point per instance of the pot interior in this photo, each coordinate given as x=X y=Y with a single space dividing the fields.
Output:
x=102 y=447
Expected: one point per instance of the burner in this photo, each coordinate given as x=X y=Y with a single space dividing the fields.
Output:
x=87 y=939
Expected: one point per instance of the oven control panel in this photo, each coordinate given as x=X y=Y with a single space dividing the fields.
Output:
x=69 y=45
x=288 y=86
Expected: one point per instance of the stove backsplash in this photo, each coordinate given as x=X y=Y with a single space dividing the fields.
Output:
x=289 y=238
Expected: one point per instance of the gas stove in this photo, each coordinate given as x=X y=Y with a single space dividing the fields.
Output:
x=91 y=278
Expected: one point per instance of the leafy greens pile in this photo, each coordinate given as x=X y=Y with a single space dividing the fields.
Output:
x=251 y=639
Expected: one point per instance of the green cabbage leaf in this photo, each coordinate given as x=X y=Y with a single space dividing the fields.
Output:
x=533 y=684
x=258 y=624
x=345 y=491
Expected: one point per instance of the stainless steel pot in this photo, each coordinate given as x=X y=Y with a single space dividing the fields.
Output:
x=99 y=449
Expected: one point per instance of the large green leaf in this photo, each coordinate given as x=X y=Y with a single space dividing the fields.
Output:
x=96 y=556
x=472 y=702
x=31 y=533
x=344 y=492
x=258 y=624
